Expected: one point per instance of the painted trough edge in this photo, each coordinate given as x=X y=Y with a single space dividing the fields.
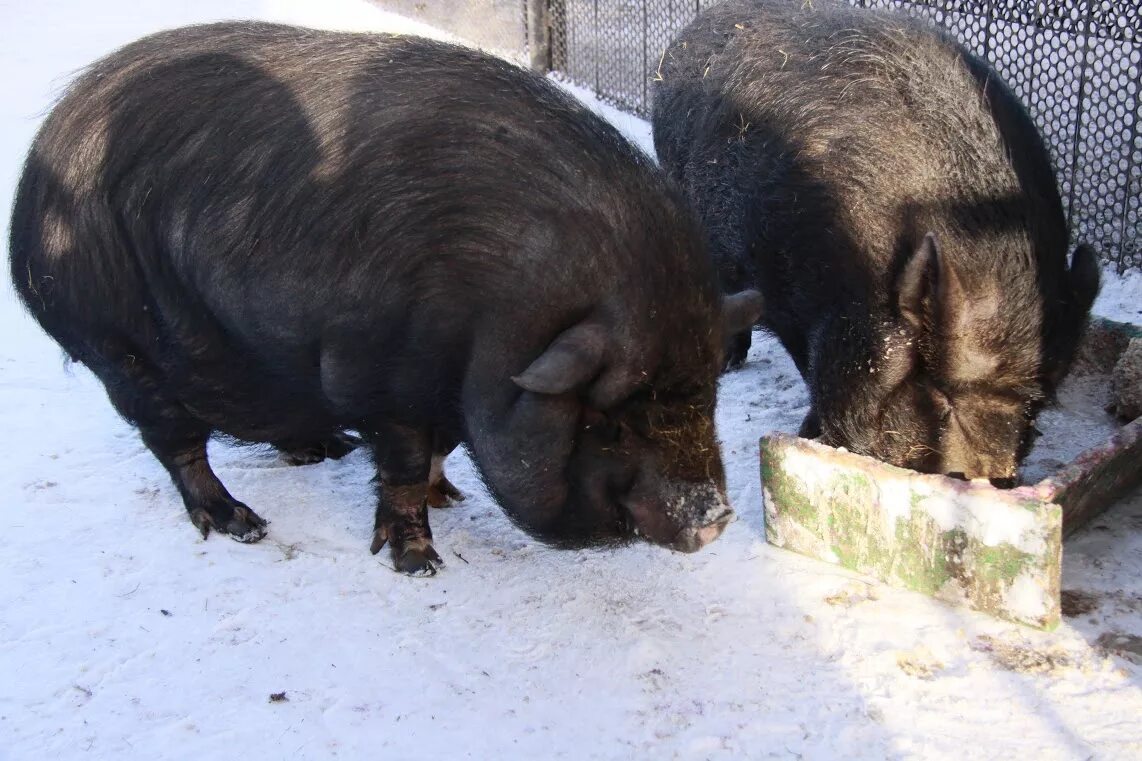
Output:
x=967 y=543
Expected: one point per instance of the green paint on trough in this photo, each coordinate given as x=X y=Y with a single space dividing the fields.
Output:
x=996 y=551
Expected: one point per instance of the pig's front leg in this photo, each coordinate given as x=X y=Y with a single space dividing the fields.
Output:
x=403 y=457
x=811 y=425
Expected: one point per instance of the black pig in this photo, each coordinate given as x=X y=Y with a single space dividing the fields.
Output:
x=897 y=208
x=280 y=234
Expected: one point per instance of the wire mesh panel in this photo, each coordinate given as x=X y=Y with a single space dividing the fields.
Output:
x=1077 y=64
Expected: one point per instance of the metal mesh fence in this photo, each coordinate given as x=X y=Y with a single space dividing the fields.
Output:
x=1075 y=63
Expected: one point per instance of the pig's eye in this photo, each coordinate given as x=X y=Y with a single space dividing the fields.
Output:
x=605 y=428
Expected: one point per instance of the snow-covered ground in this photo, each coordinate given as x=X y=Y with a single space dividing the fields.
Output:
x=124 y=635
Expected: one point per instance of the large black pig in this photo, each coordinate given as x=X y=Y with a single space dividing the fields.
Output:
x=280 y=234
x=897 y=207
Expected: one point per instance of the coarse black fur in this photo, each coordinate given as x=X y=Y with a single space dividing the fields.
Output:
x=278 y=234
x=895 y=204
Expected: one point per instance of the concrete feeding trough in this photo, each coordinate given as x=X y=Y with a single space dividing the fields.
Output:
x=968 y=543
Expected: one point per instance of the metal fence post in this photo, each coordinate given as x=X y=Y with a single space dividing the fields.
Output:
x=539 y=35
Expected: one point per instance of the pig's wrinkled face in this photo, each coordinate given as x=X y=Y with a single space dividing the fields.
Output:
x=651 y=463
x=638 y=460
x=914 y=418
x=605 y=446
x=951 y=383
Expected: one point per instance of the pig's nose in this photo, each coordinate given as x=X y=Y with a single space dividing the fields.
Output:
x=695 y=538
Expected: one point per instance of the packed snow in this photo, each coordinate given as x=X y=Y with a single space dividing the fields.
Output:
x=1077 y=421
x=125 y=635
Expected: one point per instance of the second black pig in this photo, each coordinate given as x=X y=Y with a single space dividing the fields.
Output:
x=897 y=207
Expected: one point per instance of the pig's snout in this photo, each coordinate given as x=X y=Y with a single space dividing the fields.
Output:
x=695 y=538
x=680 y=515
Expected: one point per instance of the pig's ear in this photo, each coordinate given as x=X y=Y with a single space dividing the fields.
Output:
x=916 y=286
x=741 y=310
x=1083 y=280
x=572 y=359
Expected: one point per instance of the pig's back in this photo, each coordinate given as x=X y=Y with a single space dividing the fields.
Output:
x=886 y=124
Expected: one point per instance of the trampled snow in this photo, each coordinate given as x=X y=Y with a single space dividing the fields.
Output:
x=124 y=635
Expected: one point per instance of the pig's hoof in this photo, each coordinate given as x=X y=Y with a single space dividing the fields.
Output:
x=737 y=350
x=444 y=494
x=340 y=444
x=333 y=448
x=421 y=560
x=303 y=456
x=416 y=557
x=734 y=362
x=236 y=520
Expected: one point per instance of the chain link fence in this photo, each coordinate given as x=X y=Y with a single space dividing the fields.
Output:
x=1077 y=64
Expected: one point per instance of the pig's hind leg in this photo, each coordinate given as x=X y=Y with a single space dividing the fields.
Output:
x=441 y=492
x=177 y=438
x=404 y=463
